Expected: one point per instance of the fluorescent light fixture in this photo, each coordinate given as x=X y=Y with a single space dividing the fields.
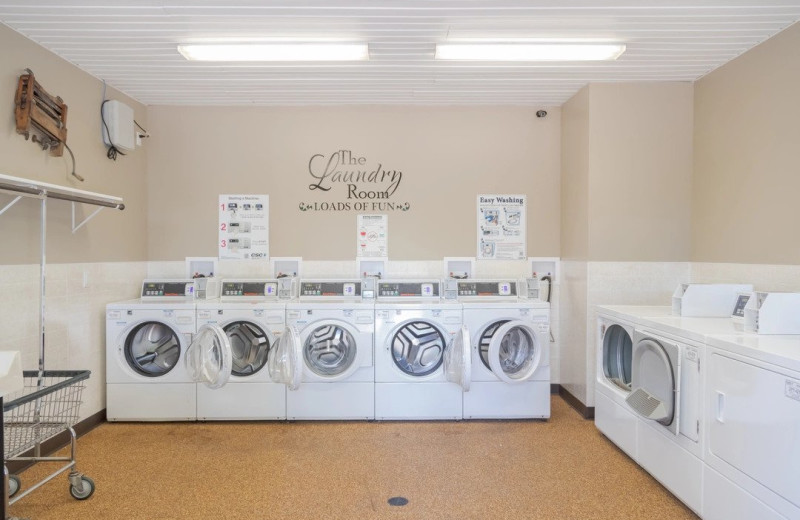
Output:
x=275 y=52
x=529 y=51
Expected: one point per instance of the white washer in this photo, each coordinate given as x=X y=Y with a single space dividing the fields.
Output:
x=253 y=319
x=152 y=360
x=510 y=351
x=668 y=374
x=752 y=406
x=326 y=355
x=421 y=354
x=615 y=331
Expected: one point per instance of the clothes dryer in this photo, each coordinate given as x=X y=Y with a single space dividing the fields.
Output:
x=614 y=351
x=422 y=357
x=752 y=464
x=510 y=351
x=326 y=355
x=154 y=359
x=668 y=375
x=253 y=318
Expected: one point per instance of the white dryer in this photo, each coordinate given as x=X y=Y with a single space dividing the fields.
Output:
x=614 y=352
x=668 y=375
x=154 y=360
x=752 y=405
x=422 y=358
x=325 y=356
x=510 y=351
x=253 y=318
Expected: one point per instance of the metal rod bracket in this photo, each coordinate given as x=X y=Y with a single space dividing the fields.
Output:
x=84 y=221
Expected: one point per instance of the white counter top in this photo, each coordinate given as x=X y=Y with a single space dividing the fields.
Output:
x=696 y=329
x=780 y=350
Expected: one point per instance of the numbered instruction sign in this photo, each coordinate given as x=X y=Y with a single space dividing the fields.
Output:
x=243 y=227
x=501 y=227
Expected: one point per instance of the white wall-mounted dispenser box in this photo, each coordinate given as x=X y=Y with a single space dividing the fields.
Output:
x=713 y=300
x=773 y=313
x=118 y=127
x=458 y=267
x=286 y=266
x=371 y=267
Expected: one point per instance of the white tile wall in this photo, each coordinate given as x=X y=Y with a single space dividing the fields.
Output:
x=76 y=296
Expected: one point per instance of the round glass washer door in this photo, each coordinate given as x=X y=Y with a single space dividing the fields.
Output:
x=618 y=356
x=208 y=358
x=330 y=350
x=250 y=347
x=417 y=348
x=514 y=352
x=152 y=349
x=284 y=364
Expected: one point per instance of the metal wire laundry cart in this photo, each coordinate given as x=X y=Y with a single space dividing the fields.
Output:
x=48 y=405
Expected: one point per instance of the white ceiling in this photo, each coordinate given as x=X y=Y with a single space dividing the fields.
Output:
x=132 y=45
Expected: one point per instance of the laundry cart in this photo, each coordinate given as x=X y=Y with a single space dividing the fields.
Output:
x=50 y=400
x=48 y=405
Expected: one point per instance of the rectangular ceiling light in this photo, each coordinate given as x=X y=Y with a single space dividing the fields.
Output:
x=275 y=52
x=529 y=51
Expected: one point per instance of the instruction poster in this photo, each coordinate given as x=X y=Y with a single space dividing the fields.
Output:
x=243 y=227
x=501 y=227
x=373 y=235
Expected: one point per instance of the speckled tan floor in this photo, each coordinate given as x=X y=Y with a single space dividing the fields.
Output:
x=560 y=469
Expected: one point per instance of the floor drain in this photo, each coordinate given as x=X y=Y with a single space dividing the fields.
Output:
x=398 y=501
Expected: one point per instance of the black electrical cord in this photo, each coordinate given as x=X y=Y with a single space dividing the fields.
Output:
x=140 y=128
x=549 y=286
x=113 y=151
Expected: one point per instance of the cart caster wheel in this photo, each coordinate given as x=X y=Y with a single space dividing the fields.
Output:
x=14 y=483
x=82 y=494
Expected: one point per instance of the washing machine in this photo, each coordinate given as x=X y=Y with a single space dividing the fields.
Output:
x=510 y=351
x=422 y=355
x=614 y=349
x=253 y=318
x=667 y=381
x=325 y=356
x=155 y=356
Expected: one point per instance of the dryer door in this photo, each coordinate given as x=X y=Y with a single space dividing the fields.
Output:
x=655 y=374
x=208 y=358
x=284 y=364
x=617 y=356
x=458 y=360
x=514 y=352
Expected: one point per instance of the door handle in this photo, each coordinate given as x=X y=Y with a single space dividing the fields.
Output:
x=720 y=407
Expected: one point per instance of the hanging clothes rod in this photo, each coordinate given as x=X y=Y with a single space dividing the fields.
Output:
x=30 y=188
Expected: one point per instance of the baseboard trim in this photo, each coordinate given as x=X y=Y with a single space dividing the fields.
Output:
x=53 y=444
x=554 y=388
x=587 y=412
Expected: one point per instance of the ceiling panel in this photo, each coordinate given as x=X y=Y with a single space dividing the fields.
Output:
x=133 y=46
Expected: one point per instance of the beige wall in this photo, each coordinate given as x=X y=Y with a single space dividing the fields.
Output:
x=575 y=177
x=102 y=239
x=747 y=158
x=447 y=155
x=640 y=177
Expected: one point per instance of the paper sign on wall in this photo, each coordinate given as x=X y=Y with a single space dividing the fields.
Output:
x=243 y=227
x=501 y=227
x=373 y=235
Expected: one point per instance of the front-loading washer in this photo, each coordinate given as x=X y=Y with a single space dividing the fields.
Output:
x=253 y=318
x=614 y=336
x=510 y=351
x=422 y=358
x=325 y=356
x=154 y=358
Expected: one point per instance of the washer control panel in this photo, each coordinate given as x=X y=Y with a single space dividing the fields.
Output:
x=168 y=289
x=410 y=289
x=330 y=289
x=261 y=289
x=494 y=288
